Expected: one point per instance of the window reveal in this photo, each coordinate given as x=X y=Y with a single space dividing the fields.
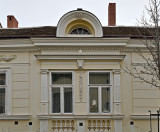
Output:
x=2 y=92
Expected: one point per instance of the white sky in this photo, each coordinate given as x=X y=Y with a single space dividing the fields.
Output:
x=31 y=13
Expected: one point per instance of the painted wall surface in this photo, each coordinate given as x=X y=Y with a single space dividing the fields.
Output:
x=26 y=70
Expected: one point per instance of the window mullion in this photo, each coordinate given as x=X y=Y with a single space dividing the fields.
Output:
x=62 y=99
x=99 y=99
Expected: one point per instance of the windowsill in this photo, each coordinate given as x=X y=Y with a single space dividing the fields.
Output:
x=100 y=85
x=98 y=116
x=78 y=35
x=60 y=114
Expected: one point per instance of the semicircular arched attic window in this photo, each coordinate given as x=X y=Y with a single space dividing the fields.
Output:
x=80 y=31
x=79 y=23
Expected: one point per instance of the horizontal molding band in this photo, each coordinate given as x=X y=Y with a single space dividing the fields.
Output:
x=47 y=117
x=15 y=117
x=142 y=117
x=82 y=56
x=82 y=44
x=79 y=40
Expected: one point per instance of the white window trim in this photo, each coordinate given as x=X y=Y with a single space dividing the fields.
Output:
x=62 y=90
x=79 y=35
x=8 y=90
x=99 y=93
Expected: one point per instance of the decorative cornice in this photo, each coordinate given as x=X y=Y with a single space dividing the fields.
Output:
x=82 y=44
x=20 y=49
x=15 y=117
x=80 y=57
x=109 y=42
x=16 y=43
x=65 y=48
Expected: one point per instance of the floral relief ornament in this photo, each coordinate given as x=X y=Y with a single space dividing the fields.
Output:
x=7 y=59
x=79 y=15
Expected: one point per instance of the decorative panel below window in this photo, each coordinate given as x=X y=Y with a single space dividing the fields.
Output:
x=99 y=125
x=63 y=125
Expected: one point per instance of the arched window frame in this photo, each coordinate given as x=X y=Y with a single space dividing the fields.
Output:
x=79 y=15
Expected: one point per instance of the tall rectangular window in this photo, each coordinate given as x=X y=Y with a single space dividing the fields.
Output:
x=2 y=92
x=62 y=92
x=99 y=92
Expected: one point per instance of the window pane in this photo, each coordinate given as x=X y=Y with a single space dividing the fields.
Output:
x=2 y=79
x=93 y=97
x=67 y=100
x=75 y=31
x=55 y=100
x=80 y=31
x=2 y=101
x=99 y=78
x=105 y=100
x=62 y=78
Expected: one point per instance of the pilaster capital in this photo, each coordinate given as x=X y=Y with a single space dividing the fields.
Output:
x=44 y=71
x=117 y=71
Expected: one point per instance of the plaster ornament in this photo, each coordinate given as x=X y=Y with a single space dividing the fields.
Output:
x=7 y=59
x=80 y=64
x=79 y=15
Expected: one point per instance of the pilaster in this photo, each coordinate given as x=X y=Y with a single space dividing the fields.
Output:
x=117 y=101
x=117 y=92
x=43 y=125
x=44 y=92
x=44 y=100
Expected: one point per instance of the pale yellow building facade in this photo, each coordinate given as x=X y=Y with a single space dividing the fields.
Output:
x=69 y=79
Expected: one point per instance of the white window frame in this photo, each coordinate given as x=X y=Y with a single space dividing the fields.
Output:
x=8 y=90
x=62 y=91
x=100 y=86
x=78 y=35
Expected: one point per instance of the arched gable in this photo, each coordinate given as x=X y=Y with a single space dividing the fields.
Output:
x=79 y=19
